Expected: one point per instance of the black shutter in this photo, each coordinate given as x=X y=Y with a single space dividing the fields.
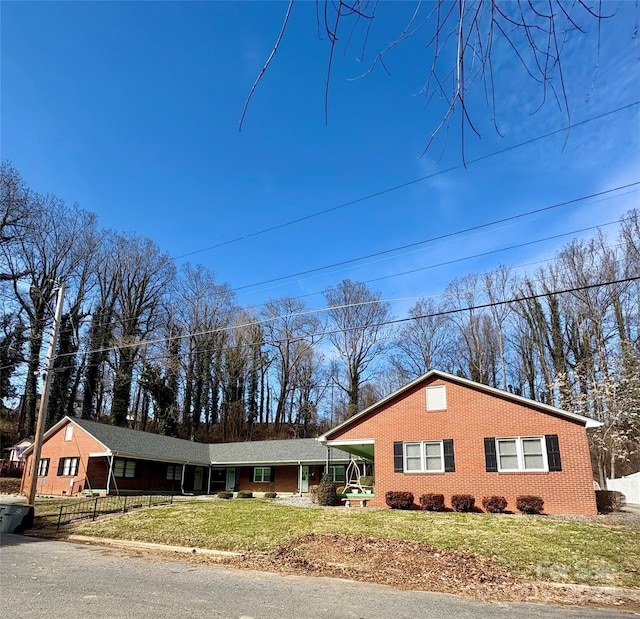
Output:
x=490 y=456
x=449 y=460
x=60 y=466
x=553 y=452
x=398 y=464
x=273 y=474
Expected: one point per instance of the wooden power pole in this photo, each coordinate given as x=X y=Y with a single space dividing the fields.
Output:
x=44 y=398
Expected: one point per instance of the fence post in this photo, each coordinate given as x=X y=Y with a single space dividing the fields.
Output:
x=95 y=507
x=149 y=500
x=59 y=517
x=124 y=507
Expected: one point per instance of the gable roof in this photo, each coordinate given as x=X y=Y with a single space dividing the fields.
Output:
x=546 y=408
x=125 y=442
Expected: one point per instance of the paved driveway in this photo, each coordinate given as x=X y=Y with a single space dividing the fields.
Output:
x=45 y=579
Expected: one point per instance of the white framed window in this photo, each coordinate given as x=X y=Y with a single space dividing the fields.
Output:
x=43 y=467
x=68 y=467
x=68 y=433
x=337 y=473
x=124 y=468
x=262 y=474
x=437 y=398
x=174 y=472
x=424 y=457
x=521 y=453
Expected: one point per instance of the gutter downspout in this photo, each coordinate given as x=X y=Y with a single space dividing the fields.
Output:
x=209 y=481
x=299 y=478
x=184 y=466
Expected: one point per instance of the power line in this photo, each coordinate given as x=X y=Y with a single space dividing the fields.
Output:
x=405 y=184
x=322 y=334
x=438 y=238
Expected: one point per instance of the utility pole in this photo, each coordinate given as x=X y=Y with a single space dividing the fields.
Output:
x=44 y=399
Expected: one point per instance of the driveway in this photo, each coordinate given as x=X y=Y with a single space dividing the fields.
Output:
x=44 y=579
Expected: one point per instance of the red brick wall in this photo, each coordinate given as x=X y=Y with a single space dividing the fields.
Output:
x=472 y=415
x=56 y=448
x=285 y=480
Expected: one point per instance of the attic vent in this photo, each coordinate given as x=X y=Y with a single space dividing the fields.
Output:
x=436 y=398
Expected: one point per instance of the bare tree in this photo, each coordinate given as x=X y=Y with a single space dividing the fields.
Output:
x=142 y=273
x=464 y=37
x=290 y=331
x=49 y=251
x=421 y=342
x=359 y=333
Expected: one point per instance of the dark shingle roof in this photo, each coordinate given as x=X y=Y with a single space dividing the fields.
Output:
x=305 y=450
x=123 y=441
x=126 y=442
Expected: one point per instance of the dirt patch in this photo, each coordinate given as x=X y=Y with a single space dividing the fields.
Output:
x=9 y=485
x=414 y=565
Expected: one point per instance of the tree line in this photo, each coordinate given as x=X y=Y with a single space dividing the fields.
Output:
x=146 y=344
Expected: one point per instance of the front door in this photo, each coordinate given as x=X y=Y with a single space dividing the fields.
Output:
x=304 y=482
x=231 y=480
x=197 y=479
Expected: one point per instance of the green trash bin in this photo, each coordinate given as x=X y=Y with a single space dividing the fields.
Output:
x=15 y=517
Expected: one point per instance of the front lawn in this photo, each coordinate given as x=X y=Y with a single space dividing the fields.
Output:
x=550 y=548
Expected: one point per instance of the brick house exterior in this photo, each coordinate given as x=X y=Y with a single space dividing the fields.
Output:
x=79 y=455
x=445 y=434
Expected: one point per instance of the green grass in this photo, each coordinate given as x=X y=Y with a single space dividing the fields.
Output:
x=556 y=549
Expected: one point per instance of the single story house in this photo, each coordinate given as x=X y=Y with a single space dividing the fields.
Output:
x=449 y=435
x=80 y=455
x=13 y=464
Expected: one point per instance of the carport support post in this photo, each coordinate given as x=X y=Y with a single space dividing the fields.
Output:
x=44 y=399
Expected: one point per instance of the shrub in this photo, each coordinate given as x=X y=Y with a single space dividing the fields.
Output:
x=270 y=495
x=224 y=494
x=463 y=502
x=609 y=501
x=529 y=504
x=245 y=494
x=340 y=490
x=494 y=504
x=432 y=502
x=399 y=500
x=326 y=492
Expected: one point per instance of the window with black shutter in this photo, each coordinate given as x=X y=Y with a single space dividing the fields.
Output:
x=398 y=466
x=553 y=452
x=449 y=460
x=490 y=456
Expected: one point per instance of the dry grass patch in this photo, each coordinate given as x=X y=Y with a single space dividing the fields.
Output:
x=556 y=549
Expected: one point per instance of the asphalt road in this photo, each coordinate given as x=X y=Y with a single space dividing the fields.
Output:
x=45 y=579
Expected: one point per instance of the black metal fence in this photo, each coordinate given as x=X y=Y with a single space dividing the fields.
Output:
x=92 y=508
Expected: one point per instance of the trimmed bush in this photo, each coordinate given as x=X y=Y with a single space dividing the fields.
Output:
x=270 y=495
x=529 y=504
x=494 y=504
x=245 y=494
x=432 y=502
x=399 y=500
x=463 y=502
x=609 y=501
x=326 y=492
x=224 y=494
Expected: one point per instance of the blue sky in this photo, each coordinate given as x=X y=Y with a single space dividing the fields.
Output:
x=131 y=109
